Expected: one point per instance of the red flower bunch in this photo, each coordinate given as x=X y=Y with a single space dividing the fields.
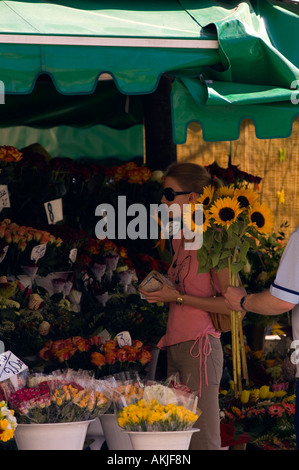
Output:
x=232 y=174
x=24 y=399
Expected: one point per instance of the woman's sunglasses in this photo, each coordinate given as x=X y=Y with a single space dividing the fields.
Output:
x=170 y=194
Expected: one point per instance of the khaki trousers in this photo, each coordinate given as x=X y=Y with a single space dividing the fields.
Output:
x=181 y=362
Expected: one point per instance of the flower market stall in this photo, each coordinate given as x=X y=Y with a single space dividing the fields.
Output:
x=69 y=300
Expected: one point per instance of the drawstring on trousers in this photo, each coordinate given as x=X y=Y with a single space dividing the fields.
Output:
x=204 y=350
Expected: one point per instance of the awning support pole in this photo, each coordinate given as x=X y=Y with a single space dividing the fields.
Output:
x=160 y=150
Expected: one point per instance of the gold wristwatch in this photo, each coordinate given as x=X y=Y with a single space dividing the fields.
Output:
x=179 y=300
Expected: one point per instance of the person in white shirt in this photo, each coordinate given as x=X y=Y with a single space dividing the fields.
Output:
x=282 y=297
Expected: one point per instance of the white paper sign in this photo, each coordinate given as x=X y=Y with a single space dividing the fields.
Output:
x=73 y=255
x=38 y=252
x=5 y=249
x=54 y=211
x=10 y=365
x=4 y=196
x=124 y=339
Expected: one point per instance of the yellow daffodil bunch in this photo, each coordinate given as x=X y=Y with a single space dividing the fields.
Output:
x=153 y=416
x=8 y=422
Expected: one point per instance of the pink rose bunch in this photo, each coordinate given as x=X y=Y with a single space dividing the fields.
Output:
x=23 y=400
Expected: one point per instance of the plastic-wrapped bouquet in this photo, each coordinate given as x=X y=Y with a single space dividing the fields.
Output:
x=125 y=388
x=62 y=397
x=163 y=407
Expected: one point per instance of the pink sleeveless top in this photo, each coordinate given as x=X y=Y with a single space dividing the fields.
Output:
x=187 y=323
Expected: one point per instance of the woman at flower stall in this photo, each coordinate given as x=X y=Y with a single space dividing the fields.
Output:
x=281 y=297
x=193 y=344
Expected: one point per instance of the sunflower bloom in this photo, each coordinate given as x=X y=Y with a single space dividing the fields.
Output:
x=225 y=211
x=226 y=191
x=246 y=197
x=206 y=197
x=260 y=217
x=195 y=218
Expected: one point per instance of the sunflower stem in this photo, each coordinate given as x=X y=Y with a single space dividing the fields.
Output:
x=238 y=347
x=243 y=353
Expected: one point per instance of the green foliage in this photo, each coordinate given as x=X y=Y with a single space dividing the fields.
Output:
x=144 y=321
x=260 y=271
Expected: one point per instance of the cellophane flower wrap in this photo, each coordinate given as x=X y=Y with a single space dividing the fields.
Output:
x=167 y=406
x=12 y=384
x=64 y=396
x=125 y=388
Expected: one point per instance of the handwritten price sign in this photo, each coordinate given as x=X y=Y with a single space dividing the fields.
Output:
x=38 y=252
x=73 y=255
x=4 y=197
x=10 y=365
x=124 y=339
x=54 y=211
x=5 y=250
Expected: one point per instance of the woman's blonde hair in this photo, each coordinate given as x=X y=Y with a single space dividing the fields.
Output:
x=191 y=177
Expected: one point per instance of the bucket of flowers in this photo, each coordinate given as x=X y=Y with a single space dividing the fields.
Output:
x=54 y=411
x=162 y=419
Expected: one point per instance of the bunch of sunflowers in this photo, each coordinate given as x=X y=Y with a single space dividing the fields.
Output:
x=231 y=223
x=232 y=220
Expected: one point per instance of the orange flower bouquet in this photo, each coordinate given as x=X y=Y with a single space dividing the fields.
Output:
x=91 y=354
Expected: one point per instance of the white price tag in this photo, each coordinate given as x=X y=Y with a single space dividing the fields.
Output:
x=4 y=196
x=38 y=252
x=5 y=249
x=10 y=365
x=124 y=339
x=73 y=255
x=54 y=211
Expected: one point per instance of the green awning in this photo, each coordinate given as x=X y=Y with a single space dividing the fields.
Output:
x=45 y=107
x=229 y=61
x=221 y=107
x=259 y=76
x=76 y=41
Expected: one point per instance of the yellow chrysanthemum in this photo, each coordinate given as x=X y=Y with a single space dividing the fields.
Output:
x=225 y=211
x=206 y=197
x=246 y=197
x=196 y=218
x=261 y=217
